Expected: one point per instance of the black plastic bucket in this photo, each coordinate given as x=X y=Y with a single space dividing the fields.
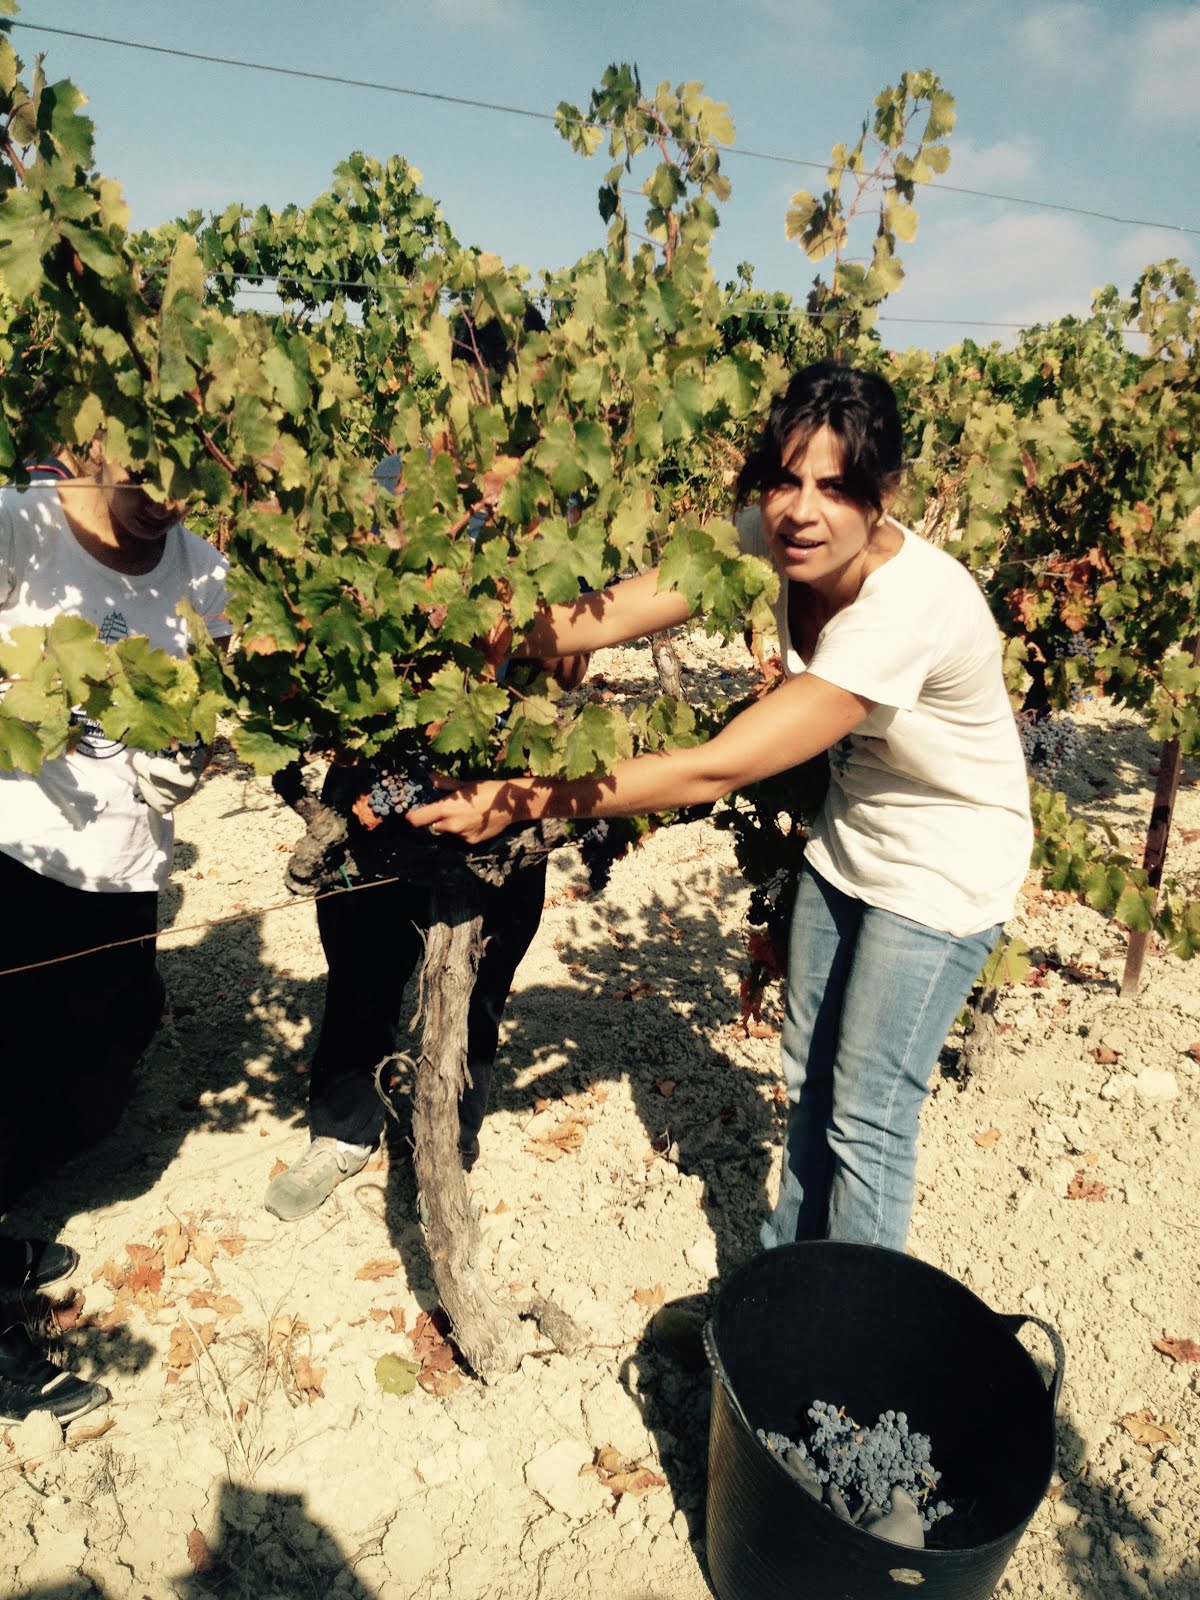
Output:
x=872 y=1330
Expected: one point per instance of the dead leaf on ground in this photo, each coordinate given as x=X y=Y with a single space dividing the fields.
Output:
x=309 y=1379
x=1189 y=835
x=175 y=1243
x=1142 y=1429
x=224 y=1305
x=1178 y=1349
x=188 y=1343
x=118 y=1312
x=987 y=1138
x=78 y=1435
x=1193 y=1050
x=204 y=1248
x=278 y=1167
x=651 y=1298
x=232 y=1243
x=637 y=991
x=69 y=1314
x=381 y=1267
x=282 y=1330
x=146 y=1280
x=440 y=1373
x=666 y=1086
x=204 y=1563
x=564 y=1138
x=1081 y=1187
x=396 y=1315
x=114 y=1273
x=623 y=1477
x=1105 y=1055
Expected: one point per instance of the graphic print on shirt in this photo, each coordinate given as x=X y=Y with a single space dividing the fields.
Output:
x=94 y=742
x=841 y=753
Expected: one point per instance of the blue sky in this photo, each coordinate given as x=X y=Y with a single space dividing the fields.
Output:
x=1090 y=103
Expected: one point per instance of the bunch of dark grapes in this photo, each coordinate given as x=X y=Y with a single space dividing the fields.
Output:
x=771 y=905
x=863 y=1464
x=1048 y=743
x=601 y=847
x=402 y=784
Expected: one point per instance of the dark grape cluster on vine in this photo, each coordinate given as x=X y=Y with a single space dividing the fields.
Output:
x=863 y=1464
x=1048 y=744
x=400 y=783
x=601 y=847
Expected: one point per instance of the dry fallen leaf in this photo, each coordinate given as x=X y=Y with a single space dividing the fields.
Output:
x=282 y=1330
x=174 y=1244
x=309 y=1379
x=564 y=1138
x=638 y=991
x=1081 y=1187
x=233 y=1243
x=650 y=1298
x=204 y=1249
x=987 y=1138
x=1193 y=1050
x=209 y=1300
x=70 y=1313
x=1142 y=1429
x=204 y=1563
x=1178 y=1349
x=665 y=1086
x=1105 y=1055
x=85 y=1435
x=498 y=1209
x=623 y=1477
x=278 y=1167
x=440 y=1374
x=382 y=1267
x=188 y=1341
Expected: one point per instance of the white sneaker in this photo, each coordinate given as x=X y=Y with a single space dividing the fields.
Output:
x=309 y=1181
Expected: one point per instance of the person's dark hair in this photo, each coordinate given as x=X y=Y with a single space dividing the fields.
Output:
x=486 y=345
x=859 y=407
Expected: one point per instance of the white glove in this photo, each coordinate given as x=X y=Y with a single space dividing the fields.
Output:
x=165 y=781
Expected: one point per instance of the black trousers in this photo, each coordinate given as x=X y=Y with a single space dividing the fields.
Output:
x=70 y=1034
x=372 y=942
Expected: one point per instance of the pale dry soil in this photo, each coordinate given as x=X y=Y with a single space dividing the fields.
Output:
x=630 y=1155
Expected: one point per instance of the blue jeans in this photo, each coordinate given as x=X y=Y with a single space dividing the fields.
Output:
x=871 y=997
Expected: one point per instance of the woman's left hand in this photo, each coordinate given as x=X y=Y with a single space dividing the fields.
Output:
x=474 y=812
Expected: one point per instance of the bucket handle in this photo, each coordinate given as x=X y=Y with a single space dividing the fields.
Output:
x=1016 y=1322
x=718 y=1366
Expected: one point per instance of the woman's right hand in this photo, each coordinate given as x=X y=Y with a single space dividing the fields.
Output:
x=473 y=812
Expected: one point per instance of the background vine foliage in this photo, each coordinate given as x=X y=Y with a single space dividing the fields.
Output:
x=1063 y=470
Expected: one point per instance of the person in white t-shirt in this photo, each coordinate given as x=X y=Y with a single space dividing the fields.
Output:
x=892 y=663
x=85 y=847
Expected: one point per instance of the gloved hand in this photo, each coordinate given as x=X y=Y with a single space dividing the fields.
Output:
x=901 y=1523
x=166 y=779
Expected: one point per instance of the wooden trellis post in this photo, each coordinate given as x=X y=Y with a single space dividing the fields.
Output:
x=1166 y=787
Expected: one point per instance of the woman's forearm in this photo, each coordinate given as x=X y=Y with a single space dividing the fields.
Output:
x=624 y=611
x=788 y=727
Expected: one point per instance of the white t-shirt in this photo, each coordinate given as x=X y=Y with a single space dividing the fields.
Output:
x=81 y=819
x=927 y=813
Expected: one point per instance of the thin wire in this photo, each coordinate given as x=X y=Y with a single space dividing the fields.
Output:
x=545 y=116
x=198 y=927
x=795 y=314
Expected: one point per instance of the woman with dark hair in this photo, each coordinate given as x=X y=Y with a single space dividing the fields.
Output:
x=892 y=664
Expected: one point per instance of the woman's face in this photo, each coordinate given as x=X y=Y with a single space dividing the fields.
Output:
x=133 y=513
x=814 y=532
